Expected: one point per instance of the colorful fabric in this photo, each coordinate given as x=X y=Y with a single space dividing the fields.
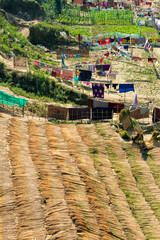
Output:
x=135 y=101
x=106 y=54
x=86 y=83
x=152 y=59
x=104 y=74
x=126 y=48
x=76 y=79
x=101 y=60
x=42 y=64
x=53 y=74
x=99 y=67
x=57 y=70
x=85 y=75
x=126 y=87
x=91 y=68
x=141 y=40
x=36 y=63
x=106 y=67
x=98 y=90
x=156 y=65
x=105 y=41
x=67 y=74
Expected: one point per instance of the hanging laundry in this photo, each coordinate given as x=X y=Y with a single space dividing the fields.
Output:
x=156 y=65
x=57 y=70
x=146 y=44
x=36 y=63
x=135 y=101
x=149 y=4
x=152 y=59
x=126 y=87
x=76 y=79
x=101 y=60
x=126 y=47
x=107 y=85
x=85 y=75
x=67 y=74
x=141 y=40
x=106 y=67
x=115 y=85
x=98 y=90
x=99 y=67
x=42 y=64
x=63 y=63
x=53 y=74
x=91 y=68
x=86 y=83
x=103 y=74
x=106 y=54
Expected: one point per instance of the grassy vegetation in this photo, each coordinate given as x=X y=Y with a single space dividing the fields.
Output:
x=30 y=7
x=14 y=43
x=74 y=15
x=39 y=85
x=46 y=34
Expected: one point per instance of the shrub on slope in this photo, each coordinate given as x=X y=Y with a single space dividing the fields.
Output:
x=46 y=34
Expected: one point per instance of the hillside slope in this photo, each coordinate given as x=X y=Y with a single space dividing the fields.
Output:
x=65 y=182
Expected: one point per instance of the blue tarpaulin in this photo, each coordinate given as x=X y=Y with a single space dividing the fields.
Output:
x=126 y=87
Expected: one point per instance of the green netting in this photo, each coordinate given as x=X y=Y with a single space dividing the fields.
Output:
x=11 y=100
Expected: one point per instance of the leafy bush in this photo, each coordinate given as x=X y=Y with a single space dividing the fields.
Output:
x=46 y=34
x=124 y=134
x=31 y=7
x=41 y=86
x=125 y=113
x=4 y=48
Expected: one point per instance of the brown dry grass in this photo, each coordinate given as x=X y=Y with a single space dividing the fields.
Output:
x=68 y=185
x=71 y=181
x=116 y=197
x=57 y=221
x=24 y=224
x=93 y=188
x=140 y=208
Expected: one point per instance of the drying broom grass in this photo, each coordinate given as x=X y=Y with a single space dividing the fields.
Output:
x=93 y=187
x=22 y=205
x=70 y=181
x=140 y=209
x=57 y=222
x=102 y=165
x=144 y=178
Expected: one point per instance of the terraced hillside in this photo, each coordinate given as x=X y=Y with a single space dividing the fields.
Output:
x=75 y=182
